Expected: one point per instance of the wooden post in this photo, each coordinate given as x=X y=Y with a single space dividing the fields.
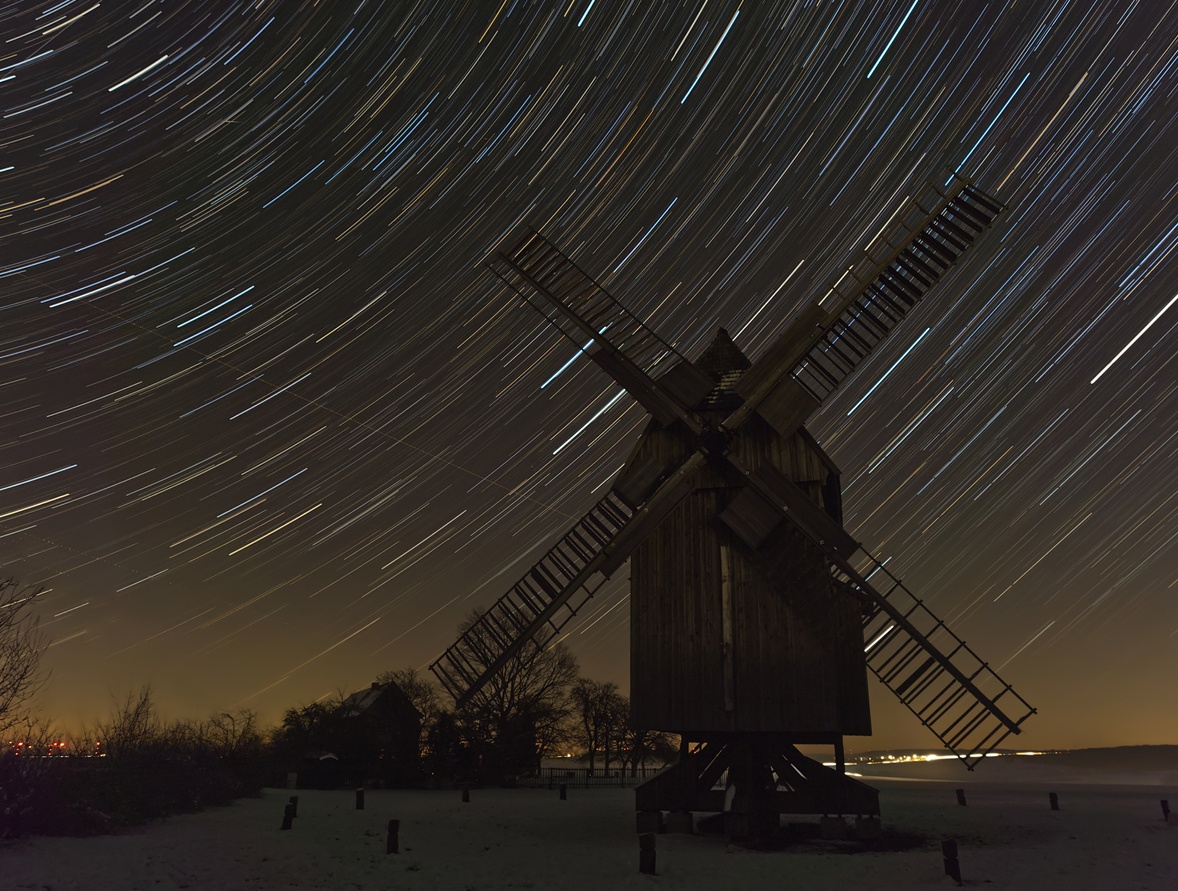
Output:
x=961 y=797
x=360 y=799
x=1166 y=809
x=294 y=805
x=393 y=843
x=564 y=792
x=287 y=817
x=726 y=645
x=466 y=794
x=1054 y=799
x=646 y=853
x=952 y=865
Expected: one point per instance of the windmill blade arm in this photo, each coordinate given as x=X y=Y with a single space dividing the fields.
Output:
x=537 y=606
x=772 y=494
x=612 y=336
x=552 y=592
x=827 y=343
x=959 y=697
x=771 y=367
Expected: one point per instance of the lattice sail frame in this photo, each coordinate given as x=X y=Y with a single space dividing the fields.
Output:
x=910 y=256
x=969 y=729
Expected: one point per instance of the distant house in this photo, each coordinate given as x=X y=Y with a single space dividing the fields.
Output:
x=378 y=736
x=370 y=737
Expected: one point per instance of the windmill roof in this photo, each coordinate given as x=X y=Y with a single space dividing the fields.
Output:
x=724 y=363
x=721 y=357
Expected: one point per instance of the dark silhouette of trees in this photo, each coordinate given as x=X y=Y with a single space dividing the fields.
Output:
x=601 y=715
x=373 y=735
x=521 y=714
x=133 y=730
x=21 y=646
x=642 y=746
x=602 y=725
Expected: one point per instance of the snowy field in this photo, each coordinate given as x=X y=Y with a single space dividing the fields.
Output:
x=1105 y=837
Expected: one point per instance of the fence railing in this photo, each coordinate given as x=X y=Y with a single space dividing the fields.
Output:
x=584 y=778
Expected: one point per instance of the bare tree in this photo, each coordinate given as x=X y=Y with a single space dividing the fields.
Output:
x=133 y=729
x=616 y=709
x=522 y=711
x=232 y=734
x=603 y=726
x=23 y=772
x=21 y=646
x=641 y=746
x=595 y=707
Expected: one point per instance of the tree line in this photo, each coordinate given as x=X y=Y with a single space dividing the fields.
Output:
x=538 y=706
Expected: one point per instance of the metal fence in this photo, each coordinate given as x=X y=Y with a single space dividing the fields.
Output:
x=584 y=778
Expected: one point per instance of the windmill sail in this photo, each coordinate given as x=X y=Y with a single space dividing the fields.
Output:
x=906 y=260
x=875 y=296
x=555 y=588
x=955 y=694
x=621 y=343
x=536 y=607
x=551 y=592
x=931 y=670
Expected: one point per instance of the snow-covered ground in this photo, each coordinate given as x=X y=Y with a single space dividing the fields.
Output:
x=1105 y=837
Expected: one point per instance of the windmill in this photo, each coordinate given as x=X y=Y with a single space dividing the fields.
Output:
x=754 y=614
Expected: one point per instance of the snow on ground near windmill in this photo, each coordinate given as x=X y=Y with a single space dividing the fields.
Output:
x=1104 y=836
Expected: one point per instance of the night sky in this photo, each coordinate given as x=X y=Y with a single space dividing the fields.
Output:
x=270 y=427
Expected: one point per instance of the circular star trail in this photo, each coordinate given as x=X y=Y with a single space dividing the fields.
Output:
x=270 y=427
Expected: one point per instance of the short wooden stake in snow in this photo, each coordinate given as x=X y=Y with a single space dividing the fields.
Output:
x=1166 y=809
x=952 y=866
x=646 y=853
x=294 y=805
x=961 y=797
x=393 y=844
x=359 y=799
x=287 y=817
x=465 y=794
x=564 y=792
x=1054 y=799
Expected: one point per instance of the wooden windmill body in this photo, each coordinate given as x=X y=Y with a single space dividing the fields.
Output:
x=742 y=641
x=718 y=644
x=754 y=615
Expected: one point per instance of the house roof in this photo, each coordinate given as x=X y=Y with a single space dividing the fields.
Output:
x=362 y=700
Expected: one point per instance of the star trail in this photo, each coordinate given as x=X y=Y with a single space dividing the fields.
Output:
x=270 y=426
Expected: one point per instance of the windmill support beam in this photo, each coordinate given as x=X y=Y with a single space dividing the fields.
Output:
x=764 y=776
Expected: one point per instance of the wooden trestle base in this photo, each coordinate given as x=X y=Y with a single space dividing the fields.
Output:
x=766 y=777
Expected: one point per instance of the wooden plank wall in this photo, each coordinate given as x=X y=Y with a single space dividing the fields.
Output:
x=798 y=648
